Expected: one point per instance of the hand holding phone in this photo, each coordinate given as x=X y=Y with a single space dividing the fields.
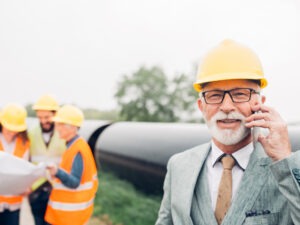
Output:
x=256 y=131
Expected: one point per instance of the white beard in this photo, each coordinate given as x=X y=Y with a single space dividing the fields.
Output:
x=227 y=136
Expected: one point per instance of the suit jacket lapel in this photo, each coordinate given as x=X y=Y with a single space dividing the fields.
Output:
x=251 y=184
x=202 y=210
x=188 y=179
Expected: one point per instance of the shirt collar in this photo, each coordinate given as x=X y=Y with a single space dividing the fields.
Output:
x=69 y=143
x=242 y=156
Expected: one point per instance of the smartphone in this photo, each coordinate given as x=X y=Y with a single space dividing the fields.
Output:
x=256 y=131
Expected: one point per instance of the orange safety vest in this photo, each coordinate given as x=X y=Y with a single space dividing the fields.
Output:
x=68 y=206
x=20 y=150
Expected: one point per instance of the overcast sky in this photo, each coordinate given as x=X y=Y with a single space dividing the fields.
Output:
x=78 y=50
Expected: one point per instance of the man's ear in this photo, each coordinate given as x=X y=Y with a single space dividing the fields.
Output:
x=200 y=104
x=263 y=99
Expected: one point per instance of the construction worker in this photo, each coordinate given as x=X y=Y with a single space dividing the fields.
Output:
x=45 y=147
x=243 y=175
x=75 y=180
x=13 y=140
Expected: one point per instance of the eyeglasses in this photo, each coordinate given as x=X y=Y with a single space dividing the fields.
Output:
x=237 y=95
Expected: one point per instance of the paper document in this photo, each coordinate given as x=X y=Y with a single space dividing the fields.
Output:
x=17 y=175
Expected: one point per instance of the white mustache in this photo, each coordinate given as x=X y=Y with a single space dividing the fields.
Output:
x=232 y=115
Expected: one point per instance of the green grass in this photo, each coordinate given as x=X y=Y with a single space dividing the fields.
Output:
x=123 y=203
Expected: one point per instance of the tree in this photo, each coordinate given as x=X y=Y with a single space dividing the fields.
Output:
x=95 y=114
x=148 y=95
x=30 y=111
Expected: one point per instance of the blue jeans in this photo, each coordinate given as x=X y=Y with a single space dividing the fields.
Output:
x=38 y=201
x=10 y=217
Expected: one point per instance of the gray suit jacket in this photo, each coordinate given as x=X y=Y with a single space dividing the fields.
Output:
x=269 y=193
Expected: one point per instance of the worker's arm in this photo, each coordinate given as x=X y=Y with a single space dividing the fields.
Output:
x=72 y=180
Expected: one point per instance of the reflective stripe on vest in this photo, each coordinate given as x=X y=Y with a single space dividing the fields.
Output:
x=10 y=205
x=70 y=206
x=81 y=187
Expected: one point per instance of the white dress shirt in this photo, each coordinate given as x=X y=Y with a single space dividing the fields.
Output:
x=215 y=169
x=47 y=136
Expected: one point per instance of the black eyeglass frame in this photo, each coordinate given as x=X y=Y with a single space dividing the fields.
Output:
x=230 y=94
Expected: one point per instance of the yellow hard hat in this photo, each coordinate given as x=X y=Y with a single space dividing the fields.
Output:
x=46 y=102
x=228 y=61
x=13 y=117
x=69 y=114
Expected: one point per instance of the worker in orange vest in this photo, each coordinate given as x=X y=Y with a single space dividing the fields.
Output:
x=75 y=181
x=45 y=147
x=13 y=140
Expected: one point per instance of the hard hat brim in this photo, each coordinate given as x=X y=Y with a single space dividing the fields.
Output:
x=60 y=120
x=45 y=108
x=231 y=76
x=14 y=128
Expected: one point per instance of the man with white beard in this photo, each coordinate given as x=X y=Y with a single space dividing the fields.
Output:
x=227 y=136
x=234 y=179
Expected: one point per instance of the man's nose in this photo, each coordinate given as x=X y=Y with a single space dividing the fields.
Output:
x=227 y=105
